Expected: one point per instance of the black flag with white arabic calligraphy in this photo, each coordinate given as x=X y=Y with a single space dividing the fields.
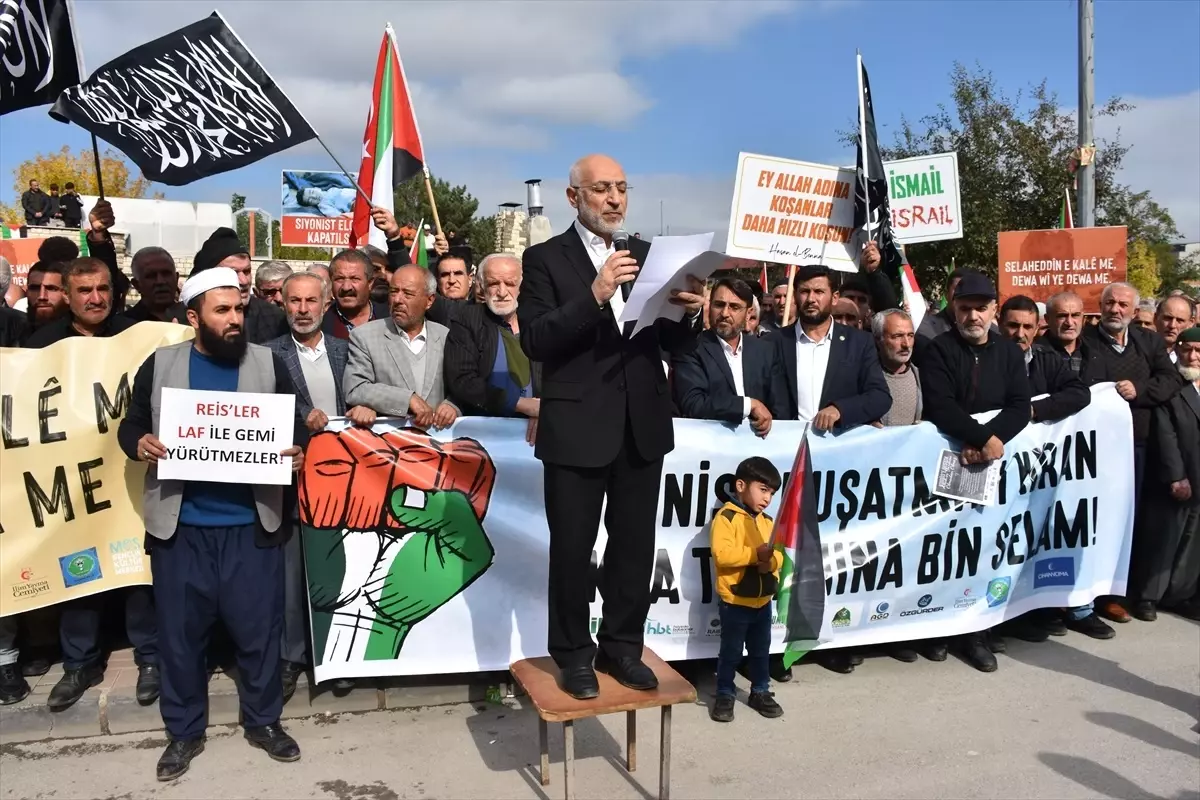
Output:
x=37 y=53
x=188 y=105
x=871 y=196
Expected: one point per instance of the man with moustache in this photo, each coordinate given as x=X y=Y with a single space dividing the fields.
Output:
x=894 y=336
x=487 y=373
x=1172 y=317
x=395 y=366
x=970 y=370
x=832 y=379
x=156 y=278
x=730 y=376
x=454 y=277
x=604 y=426
x=1165 y=563
x=316 y=365
x=262 y=321
x=352 y=275
x=215 y=548
x=88 y=291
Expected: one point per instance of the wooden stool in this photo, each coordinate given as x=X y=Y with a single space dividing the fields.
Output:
x=539 y=678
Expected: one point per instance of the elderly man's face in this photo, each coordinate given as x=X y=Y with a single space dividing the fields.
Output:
x=752 y=319
x=90 y=296
x=601 y=196
x=778 y=301
x=1117 y=308
x=1173 y=318
x=846 y=312
x=896 y=342
x=501 y=284
x=1065 y=318
x=271 y=291
x=351 y=286
x=1144 y=319
x=452 y=278
x=1188 y=355
x=304 y=302
x=156 y=279
x=240 y=263
x=1021 y=327
x=973 y=316
x=409 y=297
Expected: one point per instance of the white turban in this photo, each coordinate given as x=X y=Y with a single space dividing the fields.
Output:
x=213 y=278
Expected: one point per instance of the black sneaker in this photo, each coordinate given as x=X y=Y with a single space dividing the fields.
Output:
x=1092 y=626
x=178 y=756
x=149 y=683
x=764 y=703
x=13 y=686
x=72 y=686
x=977 y=652
x=1145 y=611
x=722 y=709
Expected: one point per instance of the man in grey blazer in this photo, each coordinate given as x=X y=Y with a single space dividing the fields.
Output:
x=395 y=364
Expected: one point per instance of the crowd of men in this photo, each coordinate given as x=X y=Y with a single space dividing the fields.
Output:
x=370 y=335
x=54 y=210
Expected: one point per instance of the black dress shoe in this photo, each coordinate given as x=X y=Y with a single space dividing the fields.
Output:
x=13 y=686
x=778 y=672
x=35 y=667
x=1188 y=609
x=935 y=649
x=854 y=657
x=1145 y=611
x=977 y=652
x=1052 y=620
x=1093 y=626
x=289 y=673
x=178 y=756
x=275 y=741
x=901 y=651
x=149 y=682
x=580 y=682
x=72 y=685
x=835 y=661
x=994 y=641
x=1025 y=629
x=627 y=671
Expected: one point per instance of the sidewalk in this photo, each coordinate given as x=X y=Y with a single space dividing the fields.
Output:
x=111 y=708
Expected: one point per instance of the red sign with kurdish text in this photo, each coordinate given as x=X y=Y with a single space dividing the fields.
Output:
x=1040 y=264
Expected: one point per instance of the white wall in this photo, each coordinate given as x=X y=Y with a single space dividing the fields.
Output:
x=179 y=226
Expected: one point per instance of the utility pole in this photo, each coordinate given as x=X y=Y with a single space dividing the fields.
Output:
x=660 y=217
x=1085 y=176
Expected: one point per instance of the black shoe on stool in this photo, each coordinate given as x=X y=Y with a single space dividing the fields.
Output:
x=149 y=683
x=722 y=710
x=178 y=756
x=902 y=651
x=935 y=649
x=580 y=682
x=835 y=661
x=627 y=671
x=275 y=741
x=1145 y=611
x=72 y=685
x=978 y=654
x=994 y=641
x=13 y=686
x=289 y=673
x=1093 y=626
x=779 y=673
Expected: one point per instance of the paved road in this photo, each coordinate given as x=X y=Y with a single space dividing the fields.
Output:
x=1071 y=718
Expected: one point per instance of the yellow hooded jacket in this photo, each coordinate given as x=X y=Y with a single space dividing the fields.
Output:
x=736 y=537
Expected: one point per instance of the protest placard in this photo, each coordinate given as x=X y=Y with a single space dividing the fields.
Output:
x=792 y=212
x=226 y=437
x=318 y=209
x=924 y=198
x=1040 y=264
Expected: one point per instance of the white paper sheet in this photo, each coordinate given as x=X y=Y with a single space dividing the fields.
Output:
x=670 y=260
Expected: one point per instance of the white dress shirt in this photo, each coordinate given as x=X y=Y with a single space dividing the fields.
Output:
x=599 y=252
x=311 y=354
x=812 y=361
x=417 y=343
x=733 y=355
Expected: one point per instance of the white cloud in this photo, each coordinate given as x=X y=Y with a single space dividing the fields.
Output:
x=1163 y=134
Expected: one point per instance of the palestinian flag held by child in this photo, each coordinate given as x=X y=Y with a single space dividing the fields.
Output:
x=801 y=599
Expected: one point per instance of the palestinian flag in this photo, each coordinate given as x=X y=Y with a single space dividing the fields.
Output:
x=419 y=254
x=1065 y=218
x=912 y=295
x=392 y=152
x=801 y=599
x=84 y=250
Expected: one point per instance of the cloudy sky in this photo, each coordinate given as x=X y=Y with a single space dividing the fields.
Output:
x=506 y=91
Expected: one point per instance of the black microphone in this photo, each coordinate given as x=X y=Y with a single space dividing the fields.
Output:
x=620 y=240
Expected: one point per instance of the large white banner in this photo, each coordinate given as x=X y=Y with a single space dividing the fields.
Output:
x=445 y=570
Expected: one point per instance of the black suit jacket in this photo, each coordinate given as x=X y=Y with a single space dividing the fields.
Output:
x=595 y=381
x=854 y=381
x=1175 y=445
x=703 y=386
x=468 y=360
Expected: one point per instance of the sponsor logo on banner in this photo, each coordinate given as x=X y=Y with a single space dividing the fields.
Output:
x=714 y=627
x=81 y=567
x=925 y=600
x=1058 y=571
x=997 y=591
x=126 y=556
x=924 y=606
x=29 y=587
x=967 y=600
x=842 y=618
x=881 y=611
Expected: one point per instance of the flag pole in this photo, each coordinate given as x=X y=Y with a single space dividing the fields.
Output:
x=349 y=177
x=862 y=146
x=390 y=32
x=437 y=222
x=96 y=160
x=787 y=304
x=83 y=76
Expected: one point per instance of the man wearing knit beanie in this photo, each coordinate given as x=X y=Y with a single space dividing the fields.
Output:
x=264 y=321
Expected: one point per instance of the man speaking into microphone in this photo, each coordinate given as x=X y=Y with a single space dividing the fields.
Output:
x=604 y=424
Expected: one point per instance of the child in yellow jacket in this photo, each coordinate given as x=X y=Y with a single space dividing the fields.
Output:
x=747 y=579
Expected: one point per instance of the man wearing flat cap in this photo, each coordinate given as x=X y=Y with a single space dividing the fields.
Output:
x=264 y=321
x=215 y=548
x=968 y=370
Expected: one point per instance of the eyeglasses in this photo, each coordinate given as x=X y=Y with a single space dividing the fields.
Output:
x=604 y=187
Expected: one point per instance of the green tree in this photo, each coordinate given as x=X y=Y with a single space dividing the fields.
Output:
x=79 y=167
x=320 y=255
x=1013 y=154
x=456 y=209
x=1142 y=268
